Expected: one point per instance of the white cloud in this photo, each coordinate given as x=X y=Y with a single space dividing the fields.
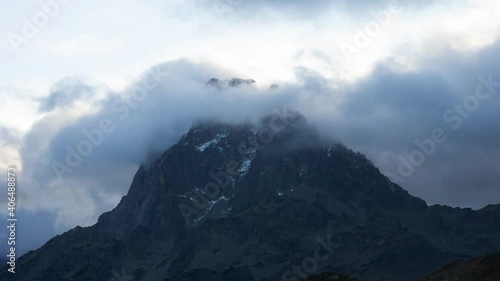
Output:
x=88 y=45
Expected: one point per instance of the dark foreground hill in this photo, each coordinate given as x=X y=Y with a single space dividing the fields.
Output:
x=234 y=202
x=486 y=268
x=329 y=276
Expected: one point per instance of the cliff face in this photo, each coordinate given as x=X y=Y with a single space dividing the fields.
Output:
x=235 y=202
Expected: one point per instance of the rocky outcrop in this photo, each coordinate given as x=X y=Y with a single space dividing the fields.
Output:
x=234 y=83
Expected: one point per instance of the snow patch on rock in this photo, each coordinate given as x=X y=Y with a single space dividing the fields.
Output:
x=211 y=142
x=245 y=166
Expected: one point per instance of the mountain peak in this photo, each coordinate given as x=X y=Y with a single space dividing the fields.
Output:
x=253 y=202
x=233 y=83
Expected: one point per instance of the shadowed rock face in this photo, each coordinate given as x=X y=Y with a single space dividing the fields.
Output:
x=235 y=202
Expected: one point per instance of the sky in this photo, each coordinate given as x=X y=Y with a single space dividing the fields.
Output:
x=411 y=84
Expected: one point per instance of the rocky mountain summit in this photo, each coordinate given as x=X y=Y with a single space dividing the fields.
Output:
x=234 y=82
x=268 y=202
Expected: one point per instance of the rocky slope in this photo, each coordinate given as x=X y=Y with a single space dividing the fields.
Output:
x=238 y=202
